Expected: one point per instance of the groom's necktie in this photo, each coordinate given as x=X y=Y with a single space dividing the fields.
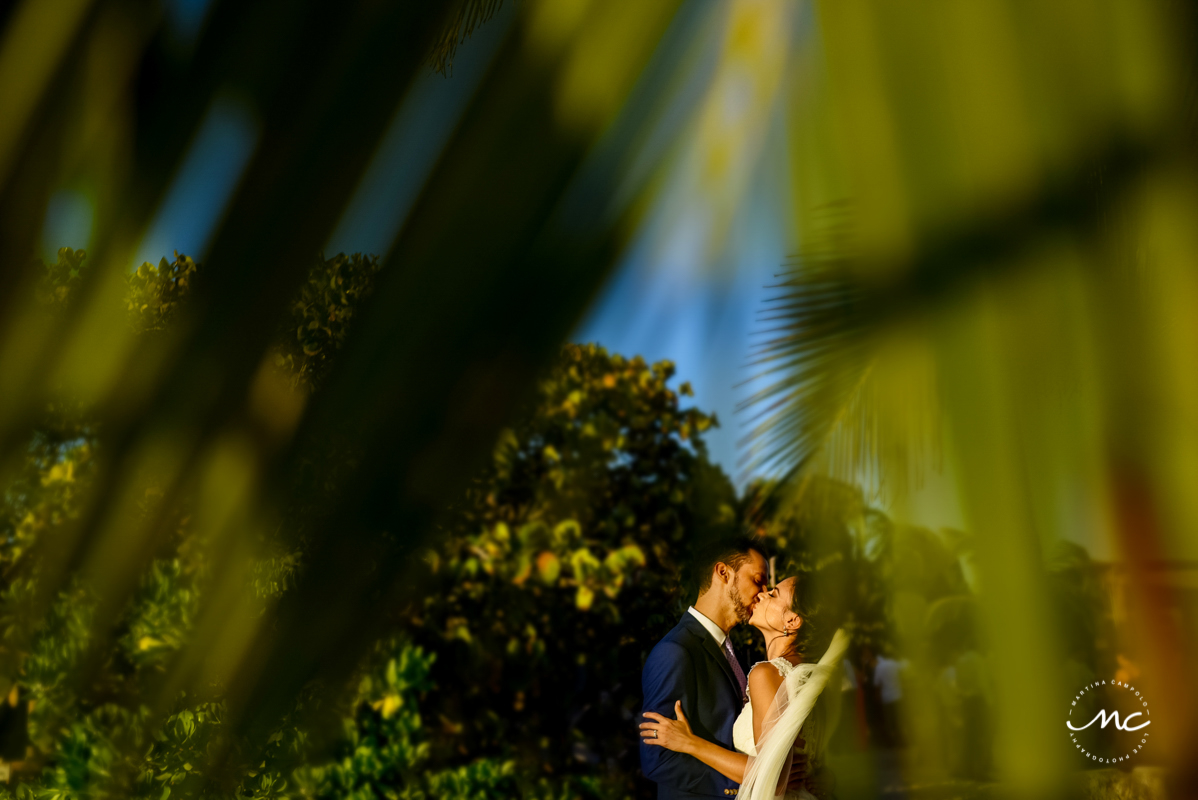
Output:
x=736 y=670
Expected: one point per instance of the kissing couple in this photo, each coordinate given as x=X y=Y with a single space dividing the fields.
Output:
x=712 y=731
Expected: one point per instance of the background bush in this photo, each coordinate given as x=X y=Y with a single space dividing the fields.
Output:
x=517 y=669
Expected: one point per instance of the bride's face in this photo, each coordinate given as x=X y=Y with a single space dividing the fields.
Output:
x=773 y=607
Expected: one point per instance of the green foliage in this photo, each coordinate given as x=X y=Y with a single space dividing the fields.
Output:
x=58 y=642
x=515 y=673
x=155 y=293
x=44 y=493
x=559 y=570
x=162 y=612
x=57 y=281
x=322 y=315
x=519 y=673
x=385 y=750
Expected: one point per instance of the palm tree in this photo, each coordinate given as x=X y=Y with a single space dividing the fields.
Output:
x=1013 y=271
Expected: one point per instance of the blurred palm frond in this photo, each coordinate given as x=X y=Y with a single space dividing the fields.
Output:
x=487 y=276
x=465 y=16
x=851 y=386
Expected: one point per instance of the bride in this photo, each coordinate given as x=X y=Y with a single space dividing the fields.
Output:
x=782 y=699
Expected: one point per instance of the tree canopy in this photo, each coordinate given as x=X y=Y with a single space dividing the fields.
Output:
x=514 y=665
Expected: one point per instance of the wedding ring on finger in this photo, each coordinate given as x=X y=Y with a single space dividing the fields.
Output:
x=655 y=733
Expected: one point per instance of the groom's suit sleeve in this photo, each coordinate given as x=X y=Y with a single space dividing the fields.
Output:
x=669 y=675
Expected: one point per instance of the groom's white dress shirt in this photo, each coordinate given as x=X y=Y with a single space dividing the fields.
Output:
x=711 y=627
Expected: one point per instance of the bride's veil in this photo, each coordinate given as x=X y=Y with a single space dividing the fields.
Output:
x=766 y=774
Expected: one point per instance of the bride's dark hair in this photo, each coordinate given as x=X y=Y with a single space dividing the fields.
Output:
x=819 y=598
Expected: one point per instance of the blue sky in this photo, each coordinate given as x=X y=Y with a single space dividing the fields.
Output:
x=671 y=296
x=679 y=292
x=700 y=312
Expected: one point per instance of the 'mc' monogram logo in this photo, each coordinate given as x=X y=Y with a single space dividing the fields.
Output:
x=1125 y=725
x=1122 y=715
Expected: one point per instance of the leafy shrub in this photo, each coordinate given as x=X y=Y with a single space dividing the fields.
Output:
x=515 y=671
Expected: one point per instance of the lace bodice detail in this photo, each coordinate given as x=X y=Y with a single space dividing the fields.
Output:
x=805 y=711
x=814 y=726
x=742 y=729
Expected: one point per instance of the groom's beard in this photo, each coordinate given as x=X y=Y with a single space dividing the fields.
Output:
x=742 y=611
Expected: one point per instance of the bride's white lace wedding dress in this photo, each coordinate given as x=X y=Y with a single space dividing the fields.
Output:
x=805 y=709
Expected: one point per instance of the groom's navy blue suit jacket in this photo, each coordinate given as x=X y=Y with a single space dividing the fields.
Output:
x=688 y=665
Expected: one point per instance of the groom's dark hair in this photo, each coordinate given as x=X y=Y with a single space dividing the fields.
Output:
x=732 y=551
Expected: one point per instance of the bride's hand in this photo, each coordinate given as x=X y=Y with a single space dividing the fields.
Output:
x=672 y=734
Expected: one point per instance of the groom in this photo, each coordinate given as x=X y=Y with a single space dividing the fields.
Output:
x=695 y=663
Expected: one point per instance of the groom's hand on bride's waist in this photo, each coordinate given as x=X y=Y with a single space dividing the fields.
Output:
x=798 y=767
x=798 y=773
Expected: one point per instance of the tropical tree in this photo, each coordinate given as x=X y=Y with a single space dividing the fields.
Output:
x=563 y=566
x=513 y=667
